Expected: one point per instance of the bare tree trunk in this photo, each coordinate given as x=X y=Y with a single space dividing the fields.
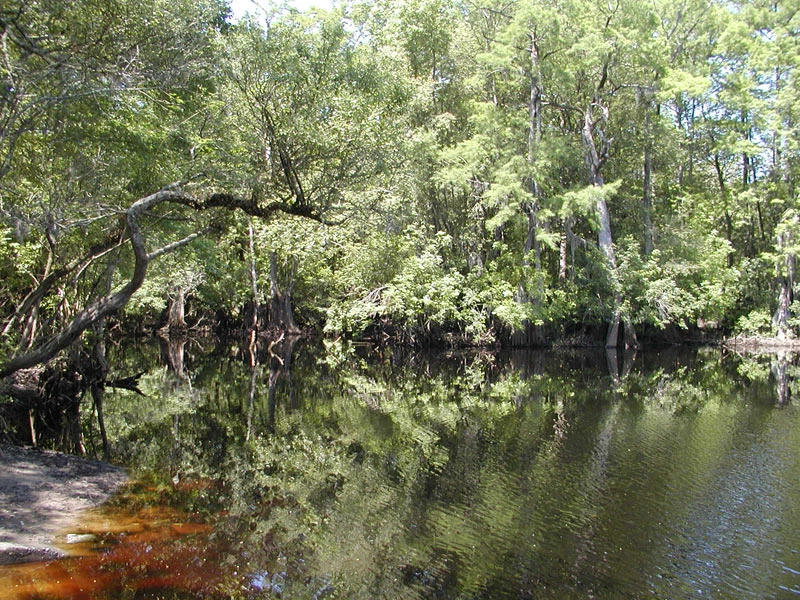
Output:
x=562 y=254
x=30 y=329
x=596 y=158
x=647 y=185
x=783 y=313
x=253 y=325
x=280 y=313
x=780 y=320
x=97 y=387
x=531 y=241
x=176 y=314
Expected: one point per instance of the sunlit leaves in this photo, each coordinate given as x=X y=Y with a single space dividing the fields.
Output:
x=687 y=281
x=444 y=139
x=315 y=111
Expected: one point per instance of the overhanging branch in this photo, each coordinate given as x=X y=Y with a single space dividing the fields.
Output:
x=114 y=301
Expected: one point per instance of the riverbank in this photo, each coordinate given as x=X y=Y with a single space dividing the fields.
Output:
x=42 y=494
x=762 y=344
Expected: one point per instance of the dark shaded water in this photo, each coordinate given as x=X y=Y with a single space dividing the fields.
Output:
x=346 y=472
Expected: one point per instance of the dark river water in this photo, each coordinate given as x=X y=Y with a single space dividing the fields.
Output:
x=336 y=471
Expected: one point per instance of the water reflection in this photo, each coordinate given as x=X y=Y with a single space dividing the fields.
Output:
x=363 y=472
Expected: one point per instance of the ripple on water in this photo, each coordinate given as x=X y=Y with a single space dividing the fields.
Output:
x=682 y=505
x=723 y=512
x=612 y=497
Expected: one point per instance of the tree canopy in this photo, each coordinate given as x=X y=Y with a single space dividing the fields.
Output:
x=455 y=171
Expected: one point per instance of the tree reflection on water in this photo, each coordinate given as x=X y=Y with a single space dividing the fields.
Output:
x=363 y=472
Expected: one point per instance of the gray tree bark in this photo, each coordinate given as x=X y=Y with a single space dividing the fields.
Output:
x=596 y=157
x=281 y=315
x=783 y=313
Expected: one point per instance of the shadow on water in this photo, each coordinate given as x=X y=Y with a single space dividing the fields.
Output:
x=305 y=471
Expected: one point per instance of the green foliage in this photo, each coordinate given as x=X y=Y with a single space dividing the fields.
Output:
x=685 y=279
x=447 y=147
x=580 y=202
x=413 y=289
x=313 y=113
x=18 y=263
x=756 y=323
x=355 y=465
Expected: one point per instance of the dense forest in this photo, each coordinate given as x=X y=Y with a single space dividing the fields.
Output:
x=426 y=171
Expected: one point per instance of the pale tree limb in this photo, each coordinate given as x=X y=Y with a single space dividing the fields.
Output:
x=110 y=303
x=33 y=299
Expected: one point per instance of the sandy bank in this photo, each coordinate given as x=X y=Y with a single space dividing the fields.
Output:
x=42 y=494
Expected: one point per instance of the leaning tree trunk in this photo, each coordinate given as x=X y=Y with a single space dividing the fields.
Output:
x=109 y=304
x=112 y=302
x=596 y=158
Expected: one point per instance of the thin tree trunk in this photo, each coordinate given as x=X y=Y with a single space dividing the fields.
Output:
x=531 y=334
x=647 y=201
x=99 y=368
x=534 y=142
x=35 y=297
x=723 y=189
x=780 y=320
x=745 y=156
x=253 y=325
x=98 y=388
x=562 y=254
x=647 y=182
x=596 y=158
x=32 y=322
x=783 y=313
x=255 y=375
x=281 y=314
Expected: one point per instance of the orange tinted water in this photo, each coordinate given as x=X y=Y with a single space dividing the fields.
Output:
x=142 y=552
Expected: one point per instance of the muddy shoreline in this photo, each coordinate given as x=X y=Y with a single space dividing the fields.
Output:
x=42 y=495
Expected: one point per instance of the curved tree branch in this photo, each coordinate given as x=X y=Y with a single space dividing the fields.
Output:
x=106 y=305
x=78 y=264
x=114 y=301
